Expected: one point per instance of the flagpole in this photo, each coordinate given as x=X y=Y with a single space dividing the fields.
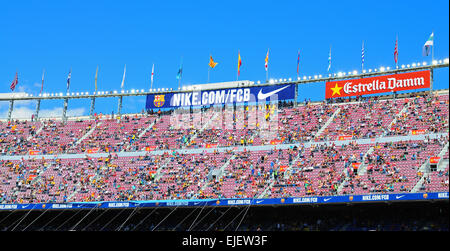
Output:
x=208 y=73
x=298 y=59
x=432 y=49
x=119 y=105
x=11 y=102
x=91 y=114
x=38 y=105
x=267 y=69
x=432 y=59
x=66 y=100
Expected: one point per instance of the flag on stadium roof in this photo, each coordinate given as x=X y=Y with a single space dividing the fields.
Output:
x=96 y=74
x=14 y=83
x=362 y=56
x=298 y=60
x=239 y=63
x=42 y=83
x=329 y=60
x=180 y=71
x=123 y=78
x=68 y=80
x=427 y=45
x=267 y=60
x=153 y=73
x=396 y=51
x=212 y=64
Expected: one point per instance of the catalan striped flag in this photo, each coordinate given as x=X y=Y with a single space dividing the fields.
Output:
x=267 y=60
x=239 y=63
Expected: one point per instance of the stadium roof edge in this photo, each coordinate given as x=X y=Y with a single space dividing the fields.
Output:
x=214 y=86
x=108 y=116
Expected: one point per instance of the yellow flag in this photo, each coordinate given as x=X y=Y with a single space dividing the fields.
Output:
x=239 y=63
x=212 y=64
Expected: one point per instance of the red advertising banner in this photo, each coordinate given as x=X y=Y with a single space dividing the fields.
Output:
x=356 y=165
x=34 y=152
x=150 y=148
x=434 y=160
x=417 y=132
x=210 y=145
x=380 y=84
x=345 y=137
x=275 y=142
x=93 y=150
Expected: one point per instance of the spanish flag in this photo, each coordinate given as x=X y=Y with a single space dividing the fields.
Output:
x=239 y=63
x=212 y=64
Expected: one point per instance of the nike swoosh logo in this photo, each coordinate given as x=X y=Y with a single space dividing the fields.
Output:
x=266 y=95
x=259 y=201
x=398 y=197
x=327 y=199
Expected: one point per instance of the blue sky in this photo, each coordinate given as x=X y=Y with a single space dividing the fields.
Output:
x=79 y=35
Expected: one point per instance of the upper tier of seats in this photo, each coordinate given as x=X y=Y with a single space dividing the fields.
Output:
x=218 y=127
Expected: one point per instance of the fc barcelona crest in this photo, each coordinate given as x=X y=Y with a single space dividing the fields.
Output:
x=159 y=100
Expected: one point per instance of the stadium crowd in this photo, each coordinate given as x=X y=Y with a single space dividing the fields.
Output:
x=323 y=168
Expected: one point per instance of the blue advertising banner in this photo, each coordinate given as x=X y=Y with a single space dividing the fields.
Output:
x=234 y=202
x=221 y=96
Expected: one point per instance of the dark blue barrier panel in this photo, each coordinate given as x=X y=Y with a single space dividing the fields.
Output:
x=233 y=202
